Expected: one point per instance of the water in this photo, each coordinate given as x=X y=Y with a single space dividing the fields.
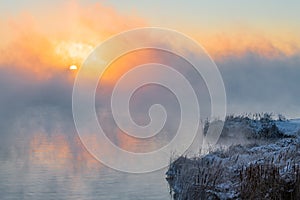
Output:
x=38 y=164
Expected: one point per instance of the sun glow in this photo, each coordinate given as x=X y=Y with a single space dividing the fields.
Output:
x=75 y=51
x=73 y=67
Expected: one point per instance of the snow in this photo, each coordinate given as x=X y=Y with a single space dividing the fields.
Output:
x=281 y=151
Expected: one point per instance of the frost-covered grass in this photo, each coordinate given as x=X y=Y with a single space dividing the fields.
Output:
x=267 y=181
x=264 y=166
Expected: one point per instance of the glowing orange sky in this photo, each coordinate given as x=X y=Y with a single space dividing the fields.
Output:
x=44 y=43
x=56 y=41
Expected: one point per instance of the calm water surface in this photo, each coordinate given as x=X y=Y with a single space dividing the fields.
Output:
x=43 y=165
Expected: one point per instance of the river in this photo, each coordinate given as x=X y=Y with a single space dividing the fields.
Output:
x=45 y=165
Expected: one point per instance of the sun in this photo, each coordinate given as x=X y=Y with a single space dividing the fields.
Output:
x=73 y=67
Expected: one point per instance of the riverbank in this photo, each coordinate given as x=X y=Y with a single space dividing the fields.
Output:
x=257 y=158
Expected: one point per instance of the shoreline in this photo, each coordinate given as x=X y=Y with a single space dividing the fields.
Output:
x=265 y=166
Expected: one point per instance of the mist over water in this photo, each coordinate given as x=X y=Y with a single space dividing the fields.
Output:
x=41 y=156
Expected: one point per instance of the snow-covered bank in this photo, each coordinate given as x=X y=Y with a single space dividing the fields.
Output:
x=262 y=163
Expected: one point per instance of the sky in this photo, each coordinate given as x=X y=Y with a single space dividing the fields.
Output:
x=206 y=21
x=256 y=45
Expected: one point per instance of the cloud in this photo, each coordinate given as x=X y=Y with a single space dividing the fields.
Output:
x=238 y=43
x=258 y=84
x=45 y=44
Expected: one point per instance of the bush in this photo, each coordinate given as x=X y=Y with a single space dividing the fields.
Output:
x=269 y=131
x=263 y=181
